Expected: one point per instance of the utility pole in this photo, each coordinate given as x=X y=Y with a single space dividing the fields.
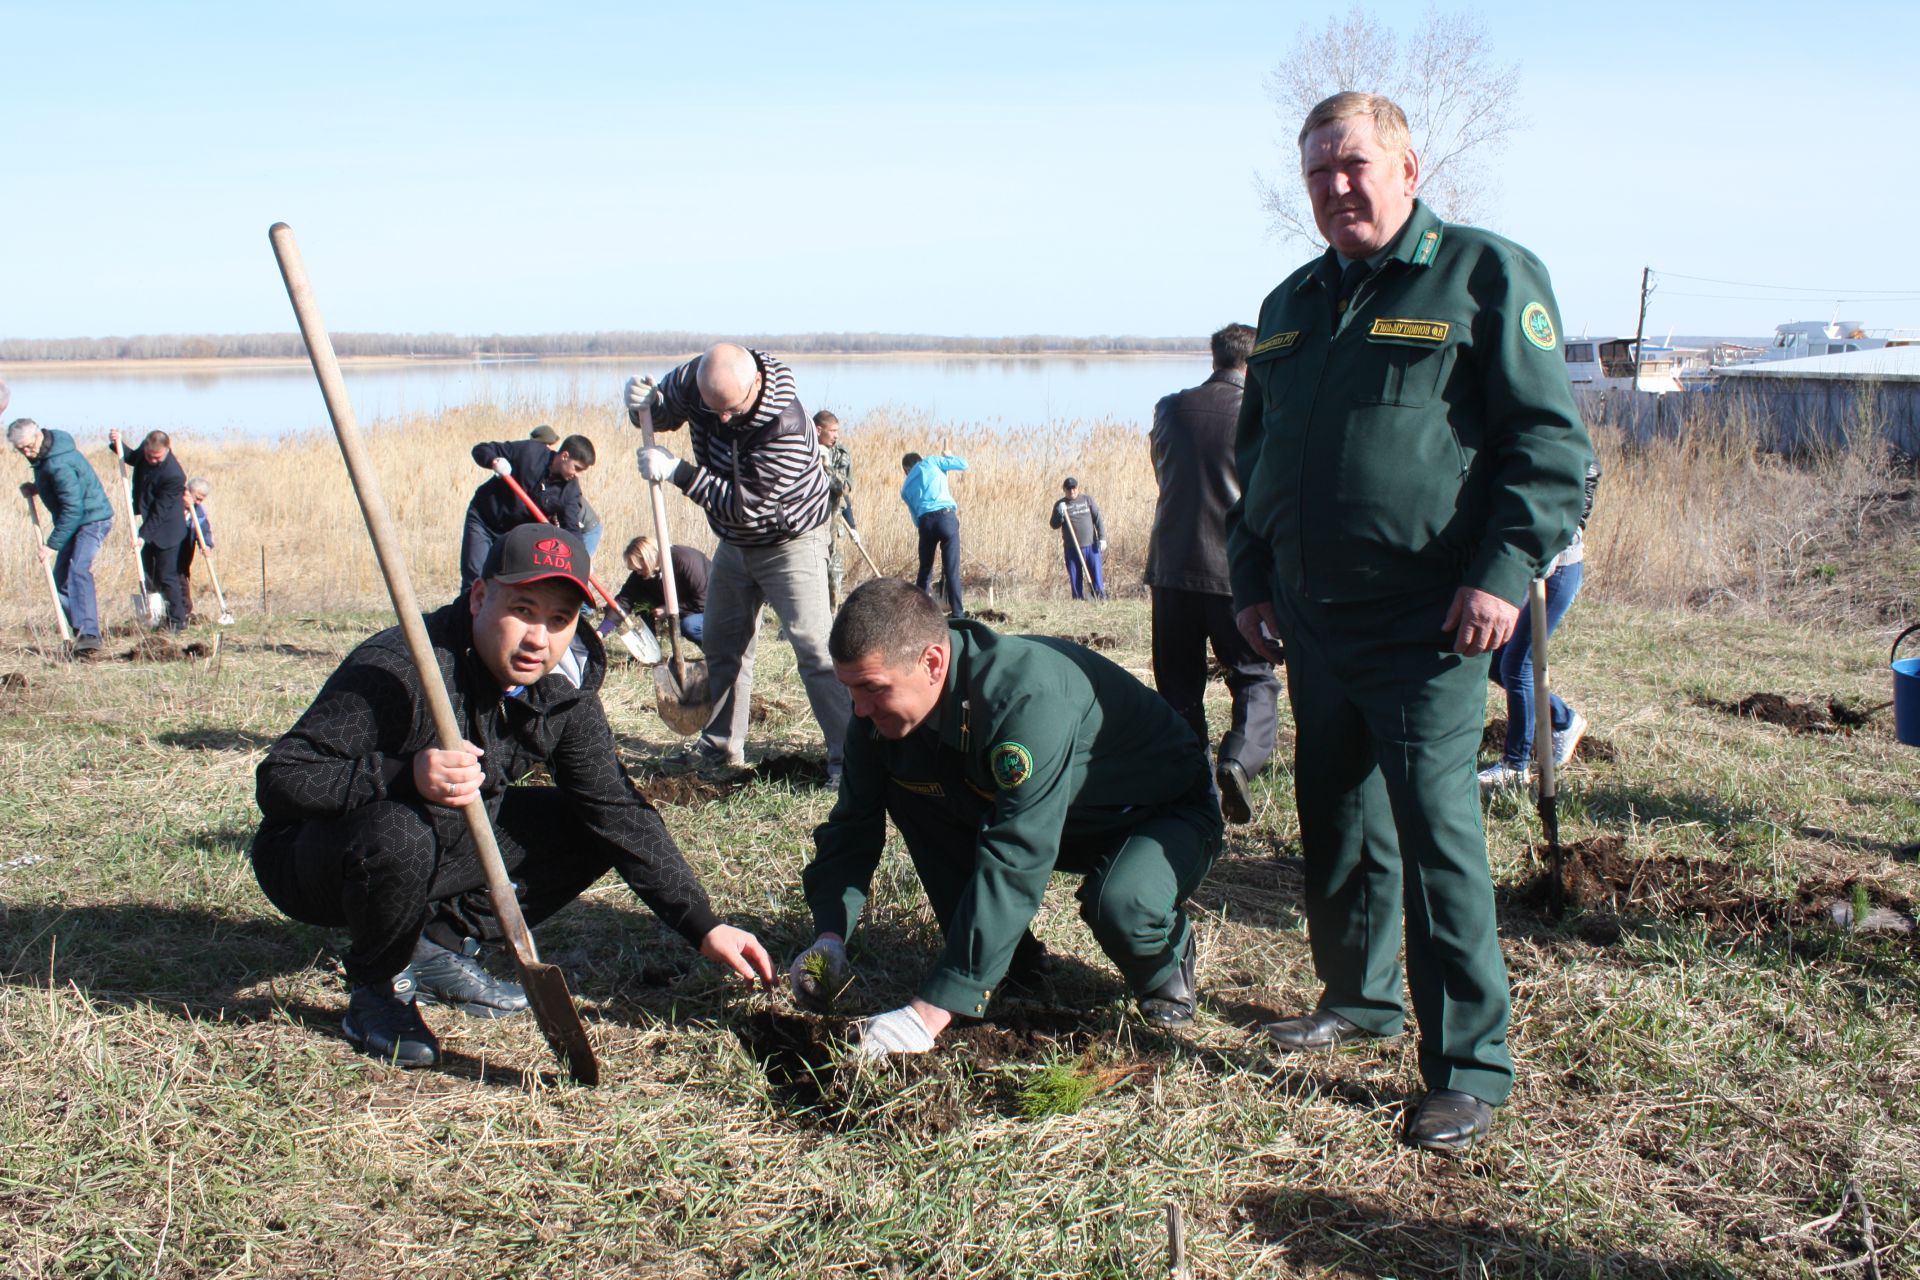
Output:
x=1640 y=329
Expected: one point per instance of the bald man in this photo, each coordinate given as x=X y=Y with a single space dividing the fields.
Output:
x=756 y=473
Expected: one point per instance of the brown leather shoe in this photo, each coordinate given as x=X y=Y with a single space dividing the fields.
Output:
x=1449 y=1120
x=1321 y=1029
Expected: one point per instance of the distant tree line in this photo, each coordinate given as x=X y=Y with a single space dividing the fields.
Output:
x=207 y=346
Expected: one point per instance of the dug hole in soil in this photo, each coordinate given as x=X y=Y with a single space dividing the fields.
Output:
x=1590 y=747
x=1813 y=715
x=928 y=1093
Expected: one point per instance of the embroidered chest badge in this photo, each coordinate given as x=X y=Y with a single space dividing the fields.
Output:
x=1538 y=326
x=1278 y=342
x=1012 y=764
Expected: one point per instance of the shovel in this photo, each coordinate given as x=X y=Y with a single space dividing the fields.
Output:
x=206 y=550
x=545 y=985
x=855 y=537
x=641 y=644
x=149 y=607
x=53 y=588
x=1543 y=761
x=680 y=687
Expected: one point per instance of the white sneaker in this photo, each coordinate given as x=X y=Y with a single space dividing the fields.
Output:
x=1504 y=775
x=1565 y=740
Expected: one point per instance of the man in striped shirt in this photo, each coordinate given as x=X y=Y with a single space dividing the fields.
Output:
x=756 y=473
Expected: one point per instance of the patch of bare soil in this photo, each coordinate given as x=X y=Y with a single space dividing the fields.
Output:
x=152 y=647
x=1815 y=715
x=13 y=682
x=1094 y=641
x=684 y=789
x=1611 y=886
x=989 y=615
x=761 y=709
x=803 y=770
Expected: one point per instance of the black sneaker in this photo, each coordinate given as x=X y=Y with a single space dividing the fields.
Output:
x=1172 y=1003
x=1236 y=796
x=387 y=1027
x=436 y=975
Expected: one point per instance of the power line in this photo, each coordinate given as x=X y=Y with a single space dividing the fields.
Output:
x=1755 y=297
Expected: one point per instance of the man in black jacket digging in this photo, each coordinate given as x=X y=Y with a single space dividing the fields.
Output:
x=362 y=824
x=551 y=477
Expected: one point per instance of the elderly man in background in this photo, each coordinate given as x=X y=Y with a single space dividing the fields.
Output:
x=1192 y=447
x=1083 y=539
x=838 y=461
x=1411 y=457
x=756 y=473
x=160 y=510
x=551 y=477
x=81 y=515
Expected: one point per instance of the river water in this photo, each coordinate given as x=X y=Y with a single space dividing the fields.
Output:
x=270 y=403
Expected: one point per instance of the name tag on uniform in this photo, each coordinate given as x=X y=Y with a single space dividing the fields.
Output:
x=1418 y=330
x=1278 y=342
x=920 y=788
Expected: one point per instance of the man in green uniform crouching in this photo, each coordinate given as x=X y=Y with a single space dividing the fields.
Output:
x=1410 y=455
x=1002 y=759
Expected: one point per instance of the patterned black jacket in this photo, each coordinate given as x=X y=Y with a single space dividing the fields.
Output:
x=356 y=744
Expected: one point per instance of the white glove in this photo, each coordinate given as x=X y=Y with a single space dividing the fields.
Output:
x=639 y=396
x=1060 y=509
x=897 y=1031
x=502 y=468
x=657 y=464
x=1101 y=546
x=855 y=535
x=818 y=983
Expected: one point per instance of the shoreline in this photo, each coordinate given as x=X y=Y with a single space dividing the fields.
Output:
x=234 y=364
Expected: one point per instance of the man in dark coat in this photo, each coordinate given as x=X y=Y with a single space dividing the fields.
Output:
x=551 y=478
x=1192 y=444
x=159 y=517
x=361 y=823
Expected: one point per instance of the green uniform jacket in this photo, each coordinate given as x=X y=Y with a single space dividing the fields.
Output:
x=1428 y=436
x=68 y=486
x=1037 y=740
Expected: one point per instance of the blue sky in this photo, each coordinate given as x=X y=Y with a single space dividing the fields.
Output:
x=992 y=169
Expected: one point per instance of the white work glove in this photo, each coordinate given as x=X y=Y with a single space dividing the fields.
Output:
x=897 y=1031
x=640 y=395
x=1101 y=546
x=502 y=468
x=818 y=991
x=855 y=535
x=657 y=464
x=1060 y=509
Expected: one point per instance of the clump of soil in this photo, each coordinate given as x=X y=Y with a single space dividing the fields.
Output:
x=796 y=1055
x=761 y=709
x=989 y=615
x=152 y=648
x=1095 y=641
x=1796 y=715
x=1494 y=741
x=13 y=682
x=684 y=789
x=197 y=650
x=792 y=768
x=1023 y=1035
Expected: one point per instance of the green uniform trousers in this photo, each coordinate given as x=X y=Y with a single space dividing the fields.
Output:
x=1389 y=720
x=1136 y=877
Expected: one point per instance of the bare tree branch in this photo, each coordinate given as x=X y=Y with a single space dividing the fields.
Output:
x=1458 y=96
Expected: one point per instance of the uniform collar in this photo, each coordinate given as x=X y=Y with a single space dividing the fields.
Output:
x=1415 y=246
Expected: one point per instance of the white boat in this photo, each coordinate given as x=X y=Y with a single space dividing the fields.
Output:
x=1606 y=364
x=1802 y=338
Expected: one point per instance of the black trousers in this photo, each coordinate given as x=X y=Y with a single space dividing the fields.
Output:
x=163 y=575
x=384 y=873
x=1184 y=624
x=942 y=529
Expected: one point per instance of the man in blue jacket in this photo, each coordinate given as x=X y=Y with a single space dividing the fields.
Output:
x=551 y=478
x=82 y=519
x=160 y=515
x=937 y=516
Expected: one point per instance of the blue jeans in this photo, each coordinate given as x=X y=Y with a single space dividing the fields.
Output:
x=1512 y=668
x=73 y=576
x=941 y=529
x=693 y=626
x=1093 y=567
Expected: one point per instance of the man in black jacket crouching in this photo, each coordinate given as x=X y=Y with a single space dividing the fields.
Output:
x=362 y=824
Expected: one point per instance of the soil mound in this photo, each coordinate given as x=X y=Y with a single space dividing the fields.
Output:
x=1817 y=715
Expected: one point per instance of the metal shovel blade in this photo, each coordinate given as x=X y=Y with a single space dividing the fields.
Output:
x=685 y=702
x=226 y=619
x=559 y=1020
x=644 y=647
x=150 y=608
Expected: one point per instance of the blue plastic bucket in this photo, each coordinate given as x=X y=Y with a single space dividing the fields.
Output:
x=1906 y=693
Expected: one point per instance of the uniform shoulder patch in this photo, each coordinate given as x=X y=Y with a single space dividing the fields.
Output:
x=1012 y=764
x=1278 y=342
x=1538 y=326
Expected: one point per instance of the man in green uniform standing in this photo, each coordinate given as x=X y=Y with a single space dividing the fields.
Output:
x=1410 y=456
x=1002 y=759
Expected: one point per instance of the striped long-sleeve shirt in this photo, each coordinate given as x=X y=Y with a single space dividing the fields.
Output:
x=759 y=479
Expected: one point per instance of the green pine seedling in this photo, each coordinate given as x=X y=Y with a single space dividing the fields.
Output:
x=1059 y=1090
x=816 y=966
x=1862 y=905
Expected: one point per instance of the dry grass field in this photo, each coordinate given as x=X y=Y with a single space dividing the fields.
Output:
x=1706 y=1061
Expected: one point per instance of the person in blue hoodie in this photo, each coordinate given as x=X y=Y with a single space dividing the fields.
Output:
x=81 y=516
